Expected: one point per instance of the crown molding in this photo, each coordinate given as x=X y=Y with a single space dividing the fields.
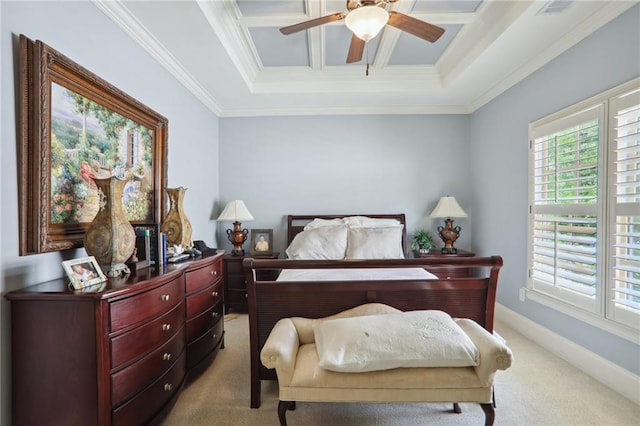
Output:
x=601 y=17
x=119 y=14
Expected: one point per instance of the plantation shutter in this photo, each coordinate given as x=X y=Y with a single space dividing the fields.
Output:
x=565 y=209
x=624 y=272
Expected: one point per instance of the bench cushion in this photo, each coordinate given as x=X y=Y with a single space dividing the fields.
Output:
x=381 y=342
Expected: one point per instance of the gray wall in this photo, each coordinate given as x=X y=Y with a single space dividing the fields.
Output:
x=499 y=148
x=80 y=31
x=344 y=165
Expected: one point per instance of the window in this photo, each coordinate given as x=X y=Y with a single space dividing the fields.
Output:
x=584 y=222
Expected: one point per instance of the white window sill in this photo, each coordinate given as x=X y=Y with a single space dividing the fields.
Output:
x=628 y=333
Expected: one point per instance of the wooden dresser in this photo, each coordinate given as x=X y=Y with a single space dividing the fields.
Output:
x=119 y=356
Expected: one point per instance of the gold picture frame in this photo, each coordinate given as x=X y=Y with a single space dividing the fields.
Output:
x=75 y=126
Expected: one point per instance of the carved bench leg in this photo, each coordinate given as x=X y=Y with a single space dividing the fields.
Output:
x=489 y=413
x=283 y=406
x=456 y=408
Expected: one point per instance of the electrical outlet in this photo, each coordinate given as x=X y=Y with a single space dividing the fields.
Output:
x=523 y=294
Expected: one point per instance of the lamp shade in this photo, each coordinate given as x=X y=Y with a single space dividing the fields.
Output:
x=235 y=211
x=448 y=207
x=366 y=21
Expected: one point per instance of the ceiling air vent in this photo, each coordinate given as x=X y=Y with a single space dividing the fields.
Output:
x=555 y=7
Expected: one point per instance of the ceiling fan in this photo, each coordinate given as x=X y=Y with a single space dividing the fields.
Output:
x=365 y=18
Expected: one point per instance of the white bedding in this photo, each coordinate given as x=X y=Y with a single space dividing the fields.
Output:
x=354 y=274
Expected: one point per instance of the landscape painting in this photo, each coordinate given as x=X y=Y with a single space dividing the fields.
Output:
x=88 y=140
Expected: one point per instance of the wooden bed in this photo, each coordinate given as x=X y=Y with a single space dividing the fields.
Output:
x=470 y=297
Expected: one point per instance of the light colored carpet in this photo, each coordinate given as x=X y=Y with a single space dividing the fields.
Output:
x=539 y=389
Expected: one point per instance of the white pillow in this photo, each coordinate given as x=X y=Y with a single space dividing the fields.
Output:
x=319 y=223
x=369 y=222
x=382 y=342
x=375 y=243
x=328 y=242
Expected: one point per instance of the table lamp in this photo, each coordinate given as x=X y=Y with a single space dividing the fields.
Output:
x=448 y=207
x=235 y=211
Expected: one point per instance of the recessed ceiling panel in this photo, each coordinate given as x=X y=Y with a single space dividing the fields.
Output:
x=278 y=50
x=270 y=7
x=337 y=41
x=412 y=50
x=446 y=6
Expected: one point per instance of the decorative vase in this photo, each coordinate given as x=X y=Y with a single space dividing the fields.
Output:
x=110 y=237
x=176 y=225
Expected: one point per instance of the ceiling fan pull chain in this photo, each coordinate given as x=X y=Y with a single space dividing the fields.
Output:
x=367 y=71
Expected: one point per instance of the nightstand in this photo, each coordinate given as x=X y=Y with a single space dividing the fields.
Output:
x=446 y=271
x=235 y=285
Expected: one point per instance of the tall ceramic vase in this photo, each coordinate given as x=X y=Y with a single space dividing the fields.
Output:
x=176 y=225
x=110 y=237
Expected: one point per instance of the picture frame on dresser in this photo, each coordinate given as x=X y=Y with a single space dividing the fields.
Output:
x=84 y=273
x=261 y=242
x=74 y=127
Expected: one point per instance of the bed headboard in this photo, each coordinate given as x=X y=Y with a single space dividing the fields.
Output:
x=296 y=223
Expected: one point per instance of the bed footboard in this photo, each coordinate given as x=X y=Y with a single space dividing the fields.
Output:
x=466 y=297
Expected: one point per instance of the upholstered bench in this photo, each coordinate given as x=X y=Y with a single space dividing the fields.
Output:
x=292 y=350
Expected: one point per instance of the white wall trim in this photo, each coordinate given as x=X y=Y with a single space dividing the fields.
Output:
x=612 y=375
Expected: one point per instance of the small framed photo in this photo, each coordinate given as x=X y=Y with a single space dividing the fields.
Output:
x=261 y=242
x=83 y=272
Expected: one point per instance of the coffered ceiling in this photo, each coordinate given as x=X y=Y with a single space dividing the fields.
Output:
x=231 y=55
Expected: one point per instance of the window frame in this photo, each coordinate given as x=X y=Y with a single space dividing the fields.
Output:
x=600 y=310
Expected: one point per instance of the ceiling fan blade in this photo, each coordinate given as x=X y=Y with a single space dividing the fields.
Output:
x=355 y=49
x=312 y=23
x=414 y=26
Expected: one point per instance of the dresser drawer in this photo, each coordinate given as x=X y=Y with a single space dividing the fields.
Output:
x=208 y=297
x=146 y=305
x=444 y=272
x=203 y=345
x=236 y=282
x=203 y=322
x=136 y=342
x=145 y=405
x=233 y=266
x=125 y=383
x=203 y=277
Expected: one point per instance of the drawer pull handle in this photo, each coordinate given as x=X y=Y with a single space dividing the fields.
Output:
x=213 y=272
x=166 y=327
x=246 y=296
x=167 y=387
x=164 y=297
x=213 y=336
x=166 y=357
x=214 y=314
x=214 y=294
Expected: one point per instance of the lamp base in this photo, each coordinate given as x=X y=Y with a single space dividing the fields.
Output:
x=237 y=236
x=449 y=235
x=451 y=250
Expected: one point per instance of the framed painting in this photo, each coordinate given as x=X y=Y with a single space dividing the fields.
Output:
x=261 y=242
x=75 y=126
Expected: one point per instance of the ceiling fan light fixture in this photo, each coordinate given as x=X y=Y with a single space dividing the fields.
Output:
x=366 y=21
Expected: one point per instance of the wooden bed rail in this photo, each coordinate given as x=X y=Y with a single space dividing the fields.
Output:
x=465 y=262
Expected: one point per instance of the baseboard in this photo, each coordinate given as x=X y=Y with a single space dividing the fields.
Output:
x=612 y=375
